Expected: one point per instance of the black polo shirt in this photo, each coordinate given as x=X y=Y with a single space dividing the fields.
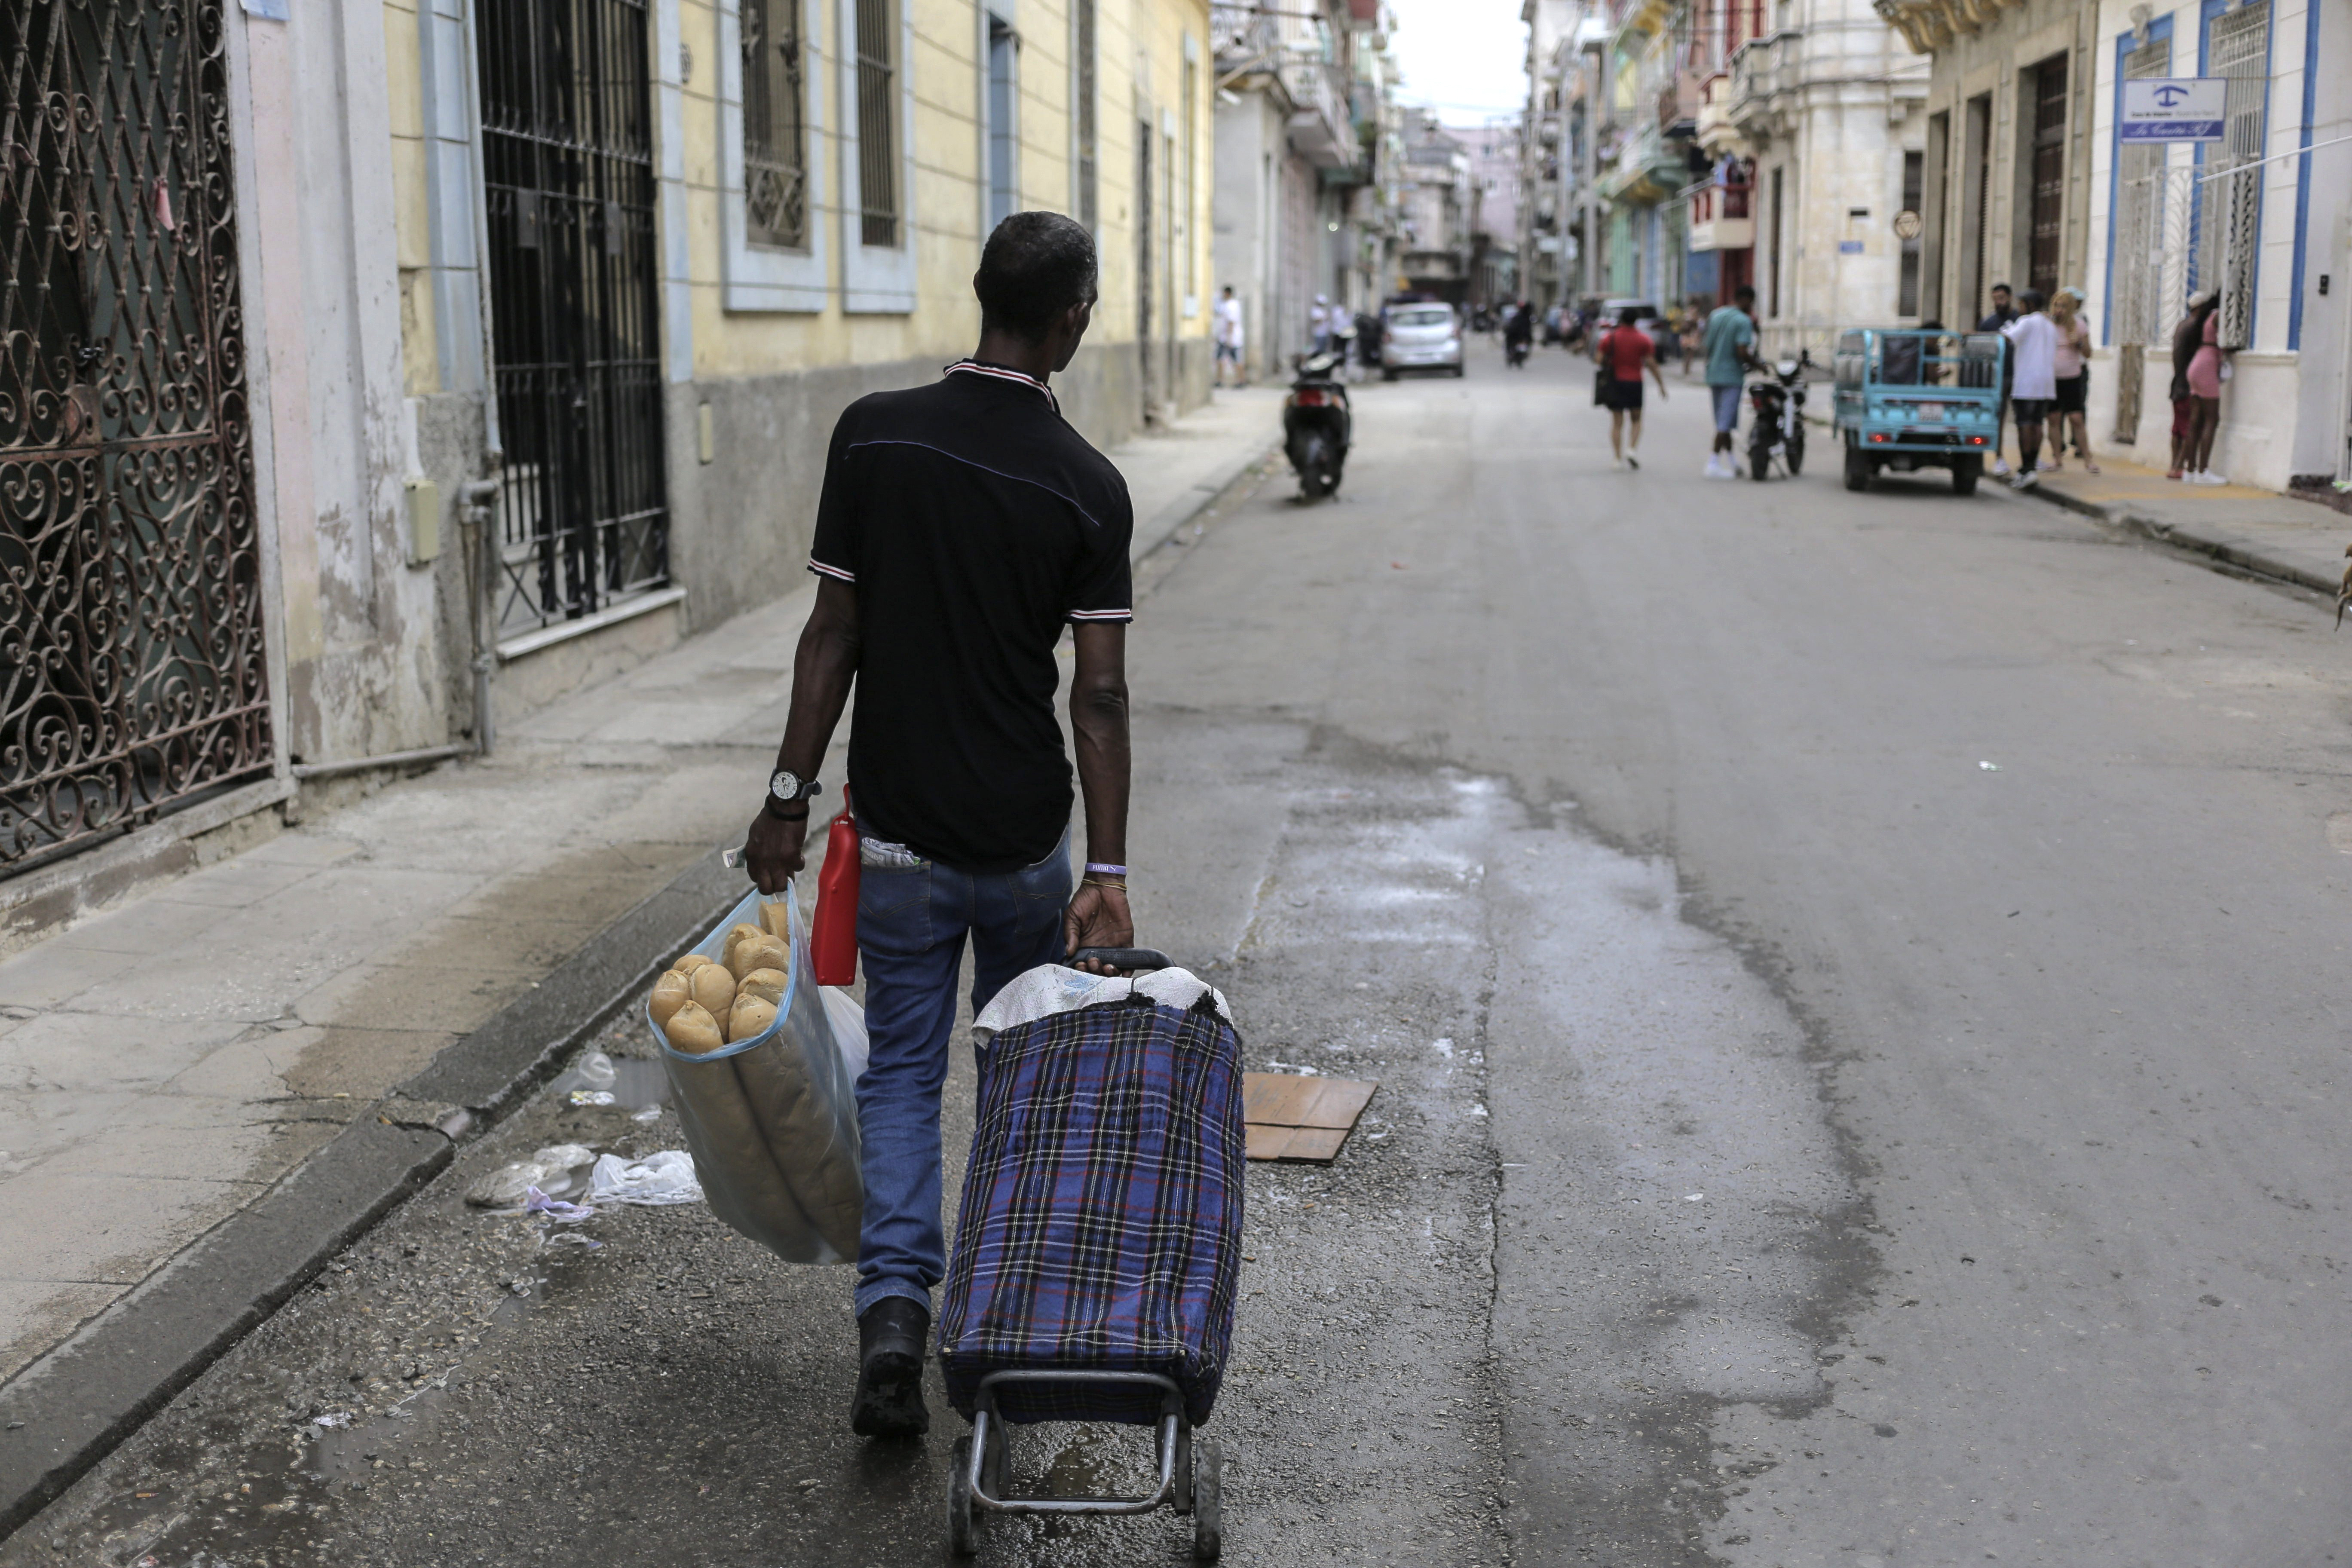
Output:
x=974 y=522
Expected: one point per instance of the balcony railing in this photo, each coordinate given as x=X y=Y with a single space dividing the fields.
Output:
x=1721 y=215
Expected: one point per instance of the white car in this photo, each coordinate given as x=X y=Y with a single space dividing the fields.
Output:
x=1420 y=337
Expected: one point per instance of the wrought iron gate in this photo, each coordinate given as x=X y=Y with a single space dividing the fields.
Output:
x=567 y=154
x=132 y=677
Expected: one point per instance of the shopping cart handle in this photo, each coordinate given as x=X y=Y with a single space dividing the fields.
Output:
x=1122 y=957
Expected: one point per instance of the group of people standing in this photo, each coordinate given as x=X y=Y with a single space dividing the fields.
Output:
x=2049 y=380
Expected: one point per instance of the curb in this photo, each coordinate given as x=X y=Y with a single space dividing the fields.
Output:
x=2238 y=556
x=1210 y=491
x=70 y=1408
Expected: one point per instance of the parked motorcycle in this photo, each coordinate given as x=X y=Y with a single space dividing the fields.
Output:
x=1779 y=399
x=1316 y=425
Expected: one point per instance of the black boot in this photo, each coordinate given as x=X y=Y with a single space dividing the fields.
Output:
x=890 y=1338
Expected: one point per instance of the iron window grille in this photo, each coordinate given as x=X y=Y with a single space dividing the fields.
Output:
x=567 y=152
x=1083 y=48
x=877 y=142
x=1003 y=132
x=775 y=125
x=2229 y=206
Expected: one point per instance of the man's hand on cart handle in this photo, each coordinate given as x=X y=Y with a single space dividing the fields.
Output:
x=1096 y=916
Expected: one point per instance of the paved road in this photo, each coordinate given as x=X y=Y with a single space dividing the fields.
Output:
x=1798 y=1141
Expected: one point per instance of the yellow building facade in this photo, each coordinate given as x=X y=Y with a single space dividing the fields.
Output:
x=648 y=250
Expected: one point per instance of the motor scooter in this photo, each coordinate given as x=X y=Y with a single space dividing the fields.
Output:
x=1778 y=400
x=1515 y=352
x=1316 y=425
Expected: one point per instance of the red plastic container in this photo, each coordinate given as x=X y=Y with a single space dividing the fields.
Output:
x=833 y=938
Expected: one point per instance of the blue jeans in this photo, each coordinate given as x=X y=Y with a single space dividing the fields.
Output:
x=911 y=923
x=1727 y=406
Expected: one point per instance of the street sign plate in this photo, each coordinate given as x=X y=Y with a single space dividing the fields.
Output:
x=2174 y=109
x=1931 y=414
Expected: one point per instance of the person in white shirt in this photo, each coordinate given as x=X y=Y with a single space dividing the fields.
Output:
x=1228 y=312
x=2034 y=340
x=1318 y=324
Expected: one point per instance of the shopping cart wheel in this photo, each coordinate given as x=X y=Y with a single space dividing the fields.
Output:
x=1208 y=1502
x=963 y=1533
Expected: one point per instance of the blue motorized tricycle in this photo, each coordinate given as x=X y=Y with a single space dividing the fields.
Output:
x=1909 y=399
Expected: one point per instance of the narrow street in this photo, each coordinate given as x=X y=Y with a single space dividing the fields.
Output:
x=1852 y=980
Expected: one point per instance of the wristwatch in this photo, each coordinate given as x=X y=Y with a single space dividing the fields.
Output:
x=788 y=789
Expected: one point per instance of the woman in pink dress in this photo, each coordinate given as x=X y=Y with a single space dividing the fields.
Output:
x=2206 y=372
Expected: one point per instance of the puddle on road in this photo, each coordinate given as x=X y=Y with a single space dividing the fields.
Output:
x=1679 y=1228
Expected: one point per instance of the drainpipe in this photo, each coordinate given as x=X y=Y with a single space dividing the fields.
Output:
x=474 y=515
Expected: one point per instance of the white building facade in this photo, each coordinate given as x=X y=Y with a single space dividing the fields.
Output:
x=2264 y=214
x=1824 y=98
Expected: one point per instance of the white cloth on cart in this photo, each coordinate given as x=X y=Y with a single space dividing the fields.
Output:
x=1052 y=988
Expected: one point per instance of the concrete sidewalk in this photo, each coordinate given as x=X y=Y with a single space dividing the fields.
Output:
x=2255 y=530
x=206 y=1088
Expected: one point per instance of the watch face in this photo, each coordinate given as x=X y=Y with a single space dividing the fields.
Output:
x=785 y=786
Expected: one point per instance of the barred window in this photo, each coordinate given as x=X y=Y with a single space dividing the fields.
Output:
x=1083 y=90
x=878 y=143
x=776 y=123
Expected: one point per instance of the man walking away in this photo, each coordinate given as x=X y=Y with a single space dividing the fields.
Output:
x=1625 y=351
x=2033 y=355
x=961 y=525
x=1318 y=324
x=1997 y=320
x=1230 y=338
x=1729 y=343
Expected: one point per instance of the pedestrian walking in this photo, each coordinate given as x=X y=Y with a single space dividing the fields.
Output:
x=1231 y=338
x=1996 y=320
x=1729 y=345
x=1623 y=352
x=2033 y=355
x=961 y=525
x=2208 y=367
x=2188 y=341
x=1318 y=324
x=2074 y=371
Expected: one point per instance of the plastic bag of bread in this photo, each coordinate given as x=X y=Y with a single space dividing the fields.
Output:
x=765 y=1087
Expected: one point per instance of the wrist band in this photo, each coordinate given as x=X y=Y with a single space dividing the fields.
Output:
x=1097 y=868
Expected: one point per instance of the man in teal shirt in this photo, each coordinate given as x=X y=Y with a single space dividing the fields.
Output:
x=1731 y=347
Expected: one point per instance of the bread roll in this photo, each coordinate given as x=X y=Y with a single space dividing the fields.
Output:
x=713 y=988
x=670 y=993
x=767 y=984
x=777 y=918
x=748 y=1018
x=741 y=932
x=759 y=952
x=689 y=964
x=692 y=1029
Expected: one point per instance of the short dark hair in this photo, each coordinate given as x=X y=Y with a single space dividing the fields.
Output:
x=1631 y=316
x=1034 y=267
x=2032 y=300
x=1745 y=292
x=2001 y=288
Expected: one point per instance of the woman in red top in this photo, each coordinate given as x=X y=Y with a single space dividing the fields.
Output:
x=1625 y=351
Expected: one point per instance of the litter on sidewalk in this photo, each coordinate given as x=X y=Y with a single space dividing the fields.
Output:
x=1292 y=1117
